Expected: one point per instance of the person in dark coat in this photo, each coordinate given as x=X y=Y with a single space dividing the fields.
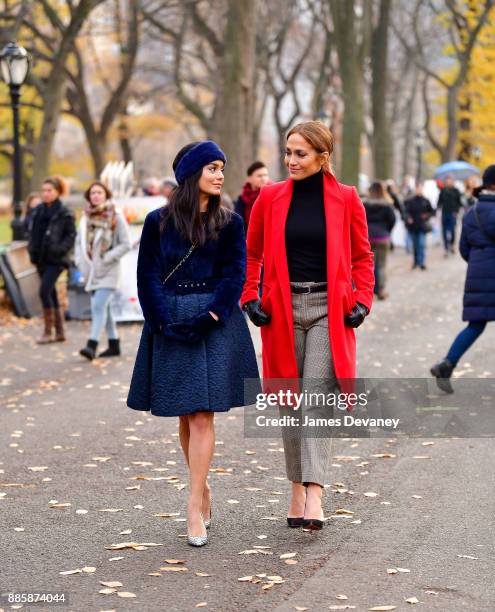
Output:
x=418 y=212
x=257 y=177
x=477 y=246
x=195 y=351
x=51 y=241
x=380 y=216
x=449 y=202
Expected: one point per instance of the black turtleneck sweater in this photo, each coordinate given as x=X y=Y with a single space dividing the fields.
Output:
x=305 y=231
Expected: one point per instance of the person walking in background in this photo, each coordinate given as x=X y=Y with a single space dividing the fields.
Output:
x=310 y=232
x=51 y=241
x=257 y=177
x=152 y=186
x=418 y=212
x=102 y=240
x=470 y=186
x=32 y=202
x=380 y=216
x=392 y=191
x=450 y=202
x=168 y=185
x=477 y=247
x=195 y=351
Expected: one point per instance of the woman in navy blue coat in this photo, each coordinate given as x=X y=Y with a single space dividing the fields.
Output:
x=477 y=246
x=195 y=350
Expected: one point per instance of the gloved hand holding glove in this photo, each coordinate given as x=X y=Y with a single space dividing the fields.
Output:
x=356 y=316
x=191 y=330
x=254 y=312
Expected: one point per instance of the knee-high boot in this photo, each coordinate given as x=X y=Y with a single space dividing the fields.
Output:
x=59 y=325
x=48 y=318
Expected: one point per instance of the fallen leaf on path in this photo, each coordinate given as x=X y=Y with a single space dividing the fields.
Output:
x=255 y=551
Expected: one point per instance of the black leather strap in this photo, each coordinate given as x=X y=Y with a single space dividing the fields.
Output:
x=478 y=221
x=308 y=288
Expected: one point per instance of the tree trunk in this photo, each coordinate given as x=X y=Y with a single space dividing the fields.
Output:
x=233 y=122
x=53 y=99
x=125 y=143
x=350 y=65
x=54 y=90
x=408 y=128
x=449 y=153
x=381 y=141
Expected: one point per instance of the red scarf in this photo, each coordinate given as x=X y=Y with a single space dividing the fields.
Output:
x=248 y=196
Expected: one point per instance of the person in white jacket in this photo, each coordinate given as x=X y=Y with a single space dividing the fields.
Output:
x=102 y=240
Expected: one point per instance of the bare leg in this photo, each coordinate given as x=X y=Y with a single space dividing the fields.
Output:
x=297 y=501
x=201 y=446
x=184 y=442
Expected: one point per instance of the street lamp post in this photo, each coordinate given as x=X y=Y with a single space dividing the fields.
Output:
x=419 y=141
x=14 y=65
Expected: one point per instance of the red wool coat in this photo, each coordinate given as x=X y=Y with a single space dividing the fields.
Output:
x=349 y=260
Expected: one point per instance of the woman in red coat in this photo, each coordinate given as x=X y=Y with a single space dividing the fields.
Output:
x=310 y=233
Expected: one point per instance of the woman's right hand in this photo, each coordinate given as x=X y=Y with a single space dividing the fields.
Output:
x=256 y=314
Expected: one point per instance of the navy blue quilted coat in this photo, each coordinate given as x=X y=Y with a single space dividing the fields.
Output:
x=479 y=251
x=171 y=378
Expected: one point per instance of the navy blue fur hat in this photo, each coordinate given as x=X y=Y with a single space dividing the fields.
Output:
x=196 y=156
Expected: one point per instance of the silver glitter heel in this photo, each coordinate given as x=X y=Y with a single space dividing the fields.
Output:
x=198 y=540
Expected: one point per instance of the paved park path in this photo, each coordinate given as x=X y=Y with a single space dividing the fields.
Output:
x=80 y=474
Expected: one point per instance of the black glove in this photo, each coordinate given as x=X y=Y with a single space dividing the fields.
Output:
x=356 y=316
x=254 y=312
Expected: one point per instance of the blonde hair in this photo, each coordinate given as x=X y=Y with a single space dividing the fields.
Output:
x=58 y=183
x=318 y=136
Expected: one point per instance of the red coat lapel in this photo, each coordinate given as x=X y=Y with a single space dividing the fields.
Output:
x=280 y=209
x=334 y=216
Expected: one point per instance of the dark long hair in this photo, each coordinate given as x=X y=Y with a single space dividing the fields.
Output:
x=183 y=208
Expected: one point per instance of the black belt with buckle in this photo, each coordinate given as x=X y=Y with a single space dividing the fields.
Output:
x=308 y=288
x=206 y=285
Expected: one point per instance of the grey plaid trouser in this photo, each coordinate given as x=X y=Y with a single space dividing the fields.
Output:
x=308 y=451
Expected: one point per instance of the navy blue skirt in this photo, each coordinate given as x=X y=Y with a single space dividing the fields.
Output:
x=171 y=378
